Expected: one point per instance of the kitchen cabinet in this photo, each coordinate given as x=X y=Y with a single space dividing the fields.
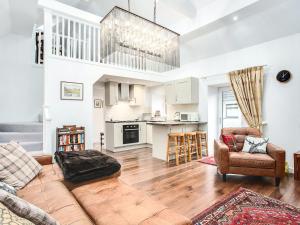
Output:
x=170 y=93
x=111 y=93
x=149 y=134
x=142 y=133
x=136 y=95
x=118 y=135
x=183 y=91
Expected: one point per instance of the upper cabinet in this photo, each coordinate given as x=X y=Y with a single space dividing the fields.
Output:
x=136 y=95
x=183 y=91
x=111 y=93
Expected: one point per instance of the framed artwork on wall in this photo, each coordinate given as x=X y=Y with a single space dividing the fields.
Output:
x=98 y=103
x=71 y=91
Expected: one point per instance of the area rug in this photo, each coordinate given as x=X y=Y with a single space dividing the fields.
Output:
x=245 y=207
x=208 y=160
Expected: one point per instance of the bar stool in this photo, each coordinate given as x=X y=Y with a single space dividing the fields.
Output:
x=191 y=140
x=176 y=146
x=202 y=142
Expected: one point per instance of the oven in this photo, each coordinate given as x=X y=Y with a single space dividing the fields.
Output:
x=130 y=134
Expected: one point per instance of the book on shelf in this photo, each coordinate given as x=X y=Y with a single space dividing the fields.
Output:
x=70 y=138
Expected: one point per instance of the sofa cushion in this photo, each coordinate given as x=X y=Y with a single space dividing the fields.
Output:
x=244 y=159
x=115 y=203
x=240 y=134
x=17 y=167
x=49 y=173
x=255 y=145
x=8 y=217
x=8 y=188
x=46 y=191
x=26 y=210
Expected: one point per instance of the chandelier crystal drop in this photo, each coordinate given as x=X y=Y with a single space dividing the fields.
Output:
x=135 y=42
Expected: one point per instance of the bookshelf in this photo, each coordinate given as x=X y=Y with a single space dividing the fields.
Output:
x=70 y=138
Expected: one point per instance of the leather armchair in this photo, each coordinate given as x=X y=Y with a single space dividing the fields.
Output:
x=271 y=164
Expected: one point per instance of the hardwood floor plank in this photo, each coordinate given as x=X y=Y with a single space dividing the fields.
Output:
x=192 y=187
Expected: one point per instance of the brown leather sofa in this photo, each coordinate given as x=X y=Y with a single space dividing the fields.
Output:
x=271 y=164
x=108 y=201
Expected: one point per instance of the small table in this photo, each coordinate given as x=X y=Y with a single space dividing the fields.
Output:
x=297 y=165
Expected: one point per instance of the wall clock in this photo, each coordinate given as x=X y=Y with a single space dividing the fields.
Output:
x=283 y=76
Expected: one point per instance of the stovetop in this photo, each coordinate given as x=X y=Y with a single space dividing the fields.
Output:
x=125 y=121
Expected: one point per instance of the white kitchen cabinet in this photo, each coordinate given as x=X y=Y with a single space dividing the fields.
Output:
x=183 y=91
x=142 y=133
x=137 y=95
x=170 y=93
x=118 y=135
x=149 y=134
x=113 y=135
x=111 y=93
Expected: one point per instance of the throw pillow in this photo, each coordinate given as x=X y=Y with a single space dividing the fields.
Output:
x=8 y=188
x=230 y=141
x=7 y=217
x=255 y=145
x=26 y=210
x=17 y=167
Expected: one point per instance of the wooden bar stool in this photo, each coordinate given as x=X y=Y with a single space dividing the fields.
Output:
x=176 y=146
x=202 y=143
x=191 y=140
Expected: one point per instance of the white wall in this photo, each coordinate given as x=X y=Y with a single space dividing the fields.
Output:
x=98 y=113
x=281 y=106
x=21 y=82
x=81 y=113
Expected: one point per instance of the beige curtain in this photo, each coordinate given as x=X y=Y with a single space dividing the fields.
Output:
x=247 y=85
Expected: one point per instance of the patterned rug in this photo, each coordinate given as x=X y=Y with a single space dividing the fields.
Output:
x=208 y=160
x=245 y=207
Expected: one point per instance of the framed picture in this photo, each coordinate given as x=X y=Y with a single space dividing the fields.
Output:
x=71 y=91
x=98 y=103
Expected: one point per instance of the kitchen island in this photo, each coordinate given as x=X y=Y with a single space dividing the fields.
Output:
x=160 y=131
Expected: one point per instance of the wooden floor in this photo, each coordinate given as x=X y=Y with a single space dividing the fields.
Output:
x=192 y=187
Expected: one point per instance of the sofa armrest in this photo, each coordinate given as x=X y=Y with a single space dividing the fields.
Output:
x=221 y=153
x=278 y=154
x=43 y=159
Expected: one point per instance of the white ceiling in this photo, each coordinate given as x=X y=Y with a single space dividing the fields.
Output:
x=259 y=20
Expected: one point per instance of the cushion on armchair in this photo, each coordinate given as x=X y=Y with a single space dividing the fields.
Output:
x=230 y=141
x=79 y=166
x=255 y=145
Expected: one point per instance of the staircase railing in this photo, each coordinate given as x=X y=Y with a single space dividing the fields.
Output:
x=75 y=39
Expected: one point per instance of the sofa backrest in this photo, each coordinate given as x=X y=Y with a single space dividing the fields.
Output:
x=240 y=134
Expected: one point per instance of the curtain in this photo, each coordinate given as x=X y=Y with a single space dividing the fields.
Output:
x=247 y=85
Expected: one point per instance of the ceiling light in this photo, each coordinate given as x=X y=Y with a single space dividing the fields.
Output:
x=235 y=18
x=133 y=41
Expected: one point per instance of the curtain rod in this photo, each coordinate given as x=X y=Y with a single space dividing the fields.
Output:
x=219 y=74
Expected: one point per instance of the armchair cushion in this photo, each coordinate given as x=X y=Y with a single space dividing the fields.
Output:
x=244 y=159
x=230 y=141
x=255 y=145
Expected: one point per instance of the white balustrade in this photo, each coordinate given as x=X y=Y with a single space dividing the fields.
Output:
x=75 y=39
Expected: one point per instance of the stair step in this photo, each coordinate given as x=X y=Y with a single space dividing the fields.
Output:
x=21 y=136
x=32 y=146
x=21 y=127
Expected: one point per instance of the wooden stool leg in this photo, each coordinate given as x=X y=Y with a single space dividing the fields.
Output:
x=168 y=151
x=189 y=148
x=196 y=146
x=206 y=144
x=184 y=149
x=176 y=151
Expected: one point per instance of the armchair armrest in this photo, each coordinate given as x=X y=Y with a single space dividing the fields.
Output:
x=278 y=154
x=43 y=159
x=221 y=153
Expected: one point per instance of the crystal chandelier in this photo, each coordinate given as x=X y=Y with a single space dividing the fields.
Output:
x=135 y=42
